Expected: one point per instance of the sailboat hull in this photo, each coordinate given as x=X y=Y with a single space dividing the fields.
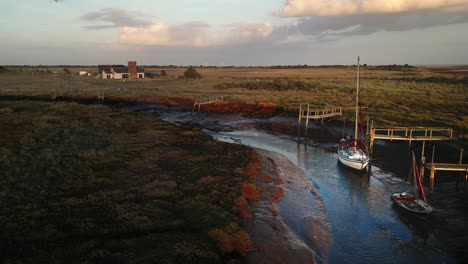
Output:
x=354 y=163
x=411 y=204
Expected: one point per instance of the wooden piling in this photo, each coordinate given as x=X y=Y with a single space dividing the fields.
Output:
x=431 y=181
x=299 y=122
x=423 y=160
x=307 y=122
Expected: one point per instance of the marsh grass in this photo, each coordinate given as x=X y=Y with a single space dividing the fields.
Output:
x=407 y=96
x=94 y=184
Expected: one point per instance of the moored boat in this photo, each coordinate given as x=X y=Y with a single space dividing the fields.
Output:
x=351 y=150
x=410 y=202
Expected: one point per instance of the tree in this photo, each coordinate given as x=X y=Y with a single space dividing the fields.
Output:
x=192 y=73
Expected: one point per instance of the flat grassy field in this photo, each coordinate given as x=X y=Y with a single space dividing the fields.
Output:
x=88 y=183
x=393 y=96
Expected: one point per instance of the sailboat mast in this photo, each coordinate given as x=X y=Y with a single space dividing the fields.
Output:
x=357 y=102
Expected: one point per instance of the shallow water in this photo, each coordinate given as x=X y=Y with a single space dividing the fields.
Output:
x=366 y=227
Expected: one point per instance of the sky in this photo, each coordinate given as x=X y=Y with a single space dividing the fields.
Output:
x=233 y=32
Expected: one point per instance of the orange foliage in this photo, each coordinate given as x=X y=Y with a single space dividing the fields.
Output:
x=253 y=170
x=278 y=193
x=250 y=192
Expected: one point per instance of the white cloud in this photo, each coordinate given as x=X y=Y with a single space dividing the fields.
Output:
x=115 y=17
x=194 y=34
x=303 y=8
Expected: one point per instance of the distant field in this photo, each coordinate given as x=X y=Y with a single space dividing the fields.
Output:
x=455 y=71
x=402 y=96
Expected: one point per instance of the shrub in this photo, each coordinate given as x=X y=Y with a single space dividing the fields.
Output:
x=191 y=73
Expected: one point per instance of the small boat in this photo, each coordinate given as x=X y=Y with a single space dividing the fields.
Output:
x=411 y=202
x=351 y=150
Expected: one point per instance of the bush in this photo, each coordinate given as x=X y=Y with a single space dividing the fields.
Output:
x=191 y=73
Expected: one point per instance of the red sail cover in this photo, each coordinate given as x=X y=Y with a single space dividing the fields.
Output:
x=406 y=198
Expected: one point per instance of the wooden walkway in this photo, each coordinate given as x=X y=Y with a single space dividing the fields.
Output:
x=410 y=134
x=206 y=101
x=315 y=114
x=434 y=167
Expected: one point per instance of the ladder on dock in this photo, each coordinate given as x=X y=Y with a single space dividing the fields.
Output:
x=315 y=114
x=206 y=101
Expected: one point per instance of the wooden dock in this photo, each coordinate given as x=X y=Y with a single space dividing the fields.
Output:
x=206 y=101
x=410 y=134
x=434 y=167
x=315 y=114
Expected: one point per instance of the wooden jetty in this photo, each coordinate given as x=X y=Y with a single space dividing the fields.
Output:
x=409 y=134
x=315 y=114
x=206 y=101
x=434 y=167
x=100 y=95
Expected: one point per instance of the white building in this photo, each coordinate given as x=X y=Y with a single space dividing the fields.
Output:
x=121 y=72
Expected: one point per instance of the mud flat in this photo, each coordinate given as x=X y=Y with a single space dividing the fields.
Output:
x=294 y=228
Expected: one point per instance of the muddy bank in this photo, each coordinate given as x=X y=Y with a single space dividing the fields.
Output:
x=290 y=224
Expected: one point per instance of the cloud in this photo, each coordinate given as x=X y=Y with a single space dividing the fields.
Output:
x=115 y=18
x=194 y=34
x=305 y=8
x=331 y=27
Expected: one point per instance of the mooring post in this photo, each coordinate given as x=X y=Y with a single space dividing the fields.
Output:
x=299 y=122
x=431 y=182
x=367 y=135
x=433 y=151
x=460 y=162
x=307 y=122
x=194 y=105
x=410 y=136
x=461 y=156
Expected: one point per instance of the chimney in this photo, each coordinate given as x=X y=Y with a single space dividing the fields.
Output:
x=132 y=70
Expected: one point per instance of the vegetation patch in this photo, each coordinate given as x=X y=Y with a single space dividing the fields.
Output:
x=275 y=85
x=94 y=184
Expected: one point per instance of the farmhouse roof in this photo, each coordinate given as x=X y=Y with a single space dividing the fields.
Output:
x=120 y=69
x=106 y=68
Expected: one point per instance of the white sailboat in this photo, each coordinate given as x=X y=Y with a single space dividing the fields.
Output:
x=351 y=150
